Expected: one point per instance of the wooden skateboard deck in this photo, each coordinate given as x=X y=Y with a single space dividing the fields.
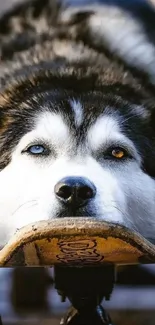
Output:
x=76 y=242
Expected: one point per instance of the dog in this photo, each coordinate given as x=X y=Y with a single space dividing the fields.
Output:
x=77 y=115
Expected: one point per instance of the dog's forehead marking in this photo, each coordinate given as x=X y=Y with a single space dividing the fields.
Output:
x=47 y=127
x=52 y=126
x=104 y=129
x=78 y=111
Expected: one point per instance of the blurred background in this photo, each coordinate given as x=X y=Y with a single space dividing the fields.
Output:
x=27 y=295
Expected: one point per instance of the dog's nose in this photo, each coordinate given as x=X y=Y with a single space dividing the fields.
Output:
x=75 y=191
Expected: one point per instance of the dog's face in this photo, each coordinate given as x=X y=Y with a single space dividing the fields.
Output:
x=65 y=153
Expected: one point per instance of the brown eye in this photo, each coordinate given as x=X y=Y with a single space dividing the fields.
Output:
x=118 y=153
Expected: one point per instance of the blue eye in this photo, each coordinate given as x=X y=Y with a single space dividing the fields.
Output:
x=36 y=150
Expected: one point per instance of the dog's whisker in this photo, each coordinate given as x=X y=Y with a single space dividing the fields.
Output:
x=24 y=204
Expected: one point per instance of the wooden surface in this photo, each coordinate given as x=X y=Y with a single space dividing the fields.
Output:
x=76 y=242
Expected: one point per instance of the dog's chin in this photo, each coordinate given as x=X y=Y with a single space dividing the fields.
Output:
x=73 y=212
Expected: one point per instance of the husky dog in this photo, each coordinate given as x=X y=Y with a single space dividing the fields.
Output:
x=77 y=115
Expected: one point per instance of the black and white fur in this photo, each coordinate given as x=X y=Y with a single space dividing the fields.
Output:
x=78 y=82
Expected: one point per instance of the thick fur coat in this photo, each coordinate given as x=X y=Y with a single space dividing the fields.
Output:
x=77 y=83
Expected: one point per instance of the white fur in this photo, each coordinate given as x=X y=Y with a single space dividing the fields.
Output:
x=51 y=126
x=106 y=130
x=78 y=113
x=124 y=193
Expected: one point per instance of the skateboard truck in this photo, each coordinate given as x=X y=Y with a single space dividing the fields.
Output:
x=85 y=253
x=85 y=288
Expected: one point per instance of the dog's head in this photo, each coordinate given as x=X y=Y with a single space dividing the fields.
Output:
x=74 y=145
